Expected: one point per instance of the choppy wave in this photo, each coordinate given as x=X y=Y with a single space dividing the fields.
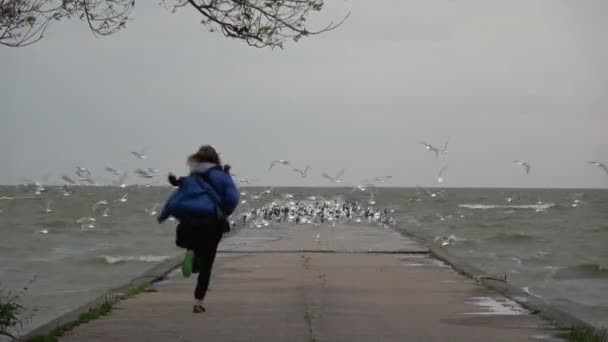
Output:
x=583 y=271
x=542 y=206
x=140 y=258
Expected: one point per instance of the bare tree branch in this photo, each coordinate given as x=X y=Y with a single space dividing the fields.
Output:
x=260 y=23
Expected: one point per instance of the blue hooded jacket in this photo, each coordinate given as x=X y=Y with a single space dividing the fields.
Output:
x=196 y=197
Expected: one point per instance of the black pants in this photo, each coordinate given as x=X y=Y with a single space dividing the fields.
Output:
x=204 y=253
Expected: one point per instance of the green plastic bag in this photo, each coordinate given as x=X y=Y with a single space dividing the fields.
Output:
x=187 y=264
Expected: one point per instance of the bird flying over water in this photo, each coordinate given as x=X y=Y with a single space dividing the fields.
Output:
x=113 y=171
x=82 y=172
x=120 y=181
x=336 y=178
x=526 y=165
x=98 y=204
x=278 y=161
x=68 y=179
x=440 y=178
x=600 y=165
x=445 y=148
x=144 y=173
x=141 y=155
x=303 y=173
x=432 y=148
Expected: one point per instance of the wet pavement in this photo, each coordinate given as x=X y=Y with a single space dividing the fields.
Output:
x=318 y=284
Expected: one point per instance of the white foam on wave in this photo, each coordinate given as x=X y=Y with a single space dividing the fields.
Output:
x=140 y=258
x=496 y=306
x=543 y=206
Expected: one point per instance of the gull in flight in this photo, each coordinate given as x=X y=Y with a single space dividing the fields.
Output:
x=278 y=161
x=445 y=148
x=82 y=172
x=120 y=181
x=123 y=199
x=440 y=178
x=86 y=222
x=36 y=187
x=383 y=178
x=68 y=179
x=105 y=212
x=113 y=171
x=247 y=181
x=154 y=210
x=600 y=165
x=336 y=179
x=432 y=148
x=98 y=204
x=371 y=200
x=258 y=196
x=303 y=173
x=141 y=155
x=526 y=165
x=48 y=207
x=145 y=174
x=446 y=241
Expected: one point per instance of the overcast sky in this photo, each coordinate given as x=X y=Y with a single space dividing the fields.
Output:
x=503 y=80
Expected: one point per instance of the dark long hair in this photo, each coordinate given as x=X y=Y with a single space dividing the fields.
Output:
x=208 y=154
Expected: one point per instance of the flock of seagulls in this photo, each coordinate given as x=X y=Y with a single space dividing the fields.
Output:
x=299 y=210
x=314 y=211
x=82 y=176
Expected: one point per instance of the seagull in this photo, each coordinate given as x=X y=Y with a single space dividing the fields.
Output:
x=85 y=219
x=48 y=207
x=113 y=171
x=279 y=161
x=445 y=148
x=68 y=179
x=381 y=178
x=600 y=165
x=247 y=181
x=98 y=204
x=336 y=179
x=6 y=198
x=141 y=155
x=144 y=174
x=360 y=187
x=302 y=173
x=120 y=181
x=371 y=200
x=86 y=222
x=82 y=172
x=123 y=199
x=154 y=210
x=432 y=148
x=446 y=241
x=105 y=212
x=36 y=187
x=526 y=165
x=440 y=178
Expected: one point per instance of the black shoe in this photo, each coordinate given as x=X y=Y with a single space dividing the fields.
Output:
x=198 y=309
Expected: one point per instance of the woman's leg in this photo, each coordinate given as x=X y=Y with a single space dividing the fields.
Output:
x=205 y=256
